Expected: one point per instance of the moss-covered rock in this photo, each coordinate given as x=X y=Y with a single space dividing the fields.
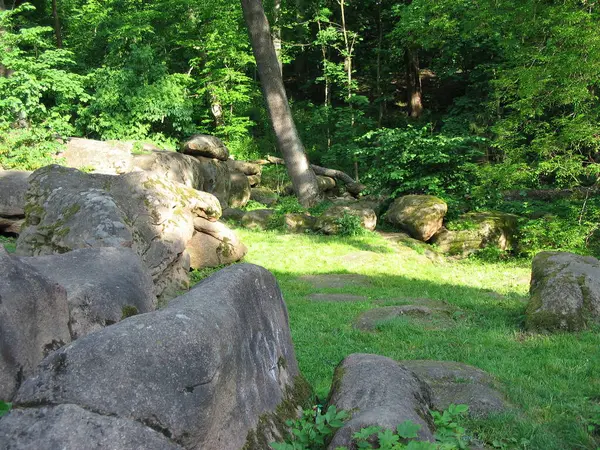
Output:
x=474 y=231
x=564 y=292
x=264 y=195
x=329 y=221
x=419 y=215
x=258 y=219
x=299 y=223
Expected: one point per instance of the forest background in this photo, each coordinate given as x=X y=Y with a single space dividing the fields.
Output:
x=489 y=104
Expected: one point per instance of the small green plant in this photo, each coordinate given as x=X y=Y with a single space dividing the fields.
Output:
x=460 y=225
x=313 y=430
x=253 y=205
x=198 y=275
x=350 y=225
x=449 y=435
x=5 y=408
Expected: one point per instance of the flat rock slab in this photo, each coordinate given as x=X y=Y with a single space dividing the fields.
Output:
x=340 y=298
x=336 y=281
x=459 y=384
x=368 y=320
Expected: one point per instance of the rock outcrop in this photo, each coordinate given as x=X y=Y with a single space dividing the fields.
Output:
x=13 y=187
x=478 y=230
x=379 y=391
x=104 y=285
x=206 y=146
x=68 y=209
x=34 y=319
x=215 y=369
x=420 y=215
x=214 y=245
x=564 y=292
x=459 y=384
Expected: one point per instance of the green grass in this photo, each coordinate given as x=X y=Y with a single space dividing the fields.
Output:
x=552 y=380
x=10 y=244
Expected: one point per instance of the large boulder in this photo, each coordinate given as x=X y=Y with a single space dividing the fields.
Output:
x=202 y=174
x=206 y=146
x=104 y=285
x=118 y=157
x=564 y=292
x=379 y=391
x=459 y=384
x=265 y=196
x=239 y=191
x=420 y=215
x=299 y=223
x=478 y=230
x=34 y=320
x=13 y=187
x=214 y=245
x=107 y=157
x=246 y=167
x=70 y=427
x=329 y=221
x=258 y=219
x=214 y=370
x=68 y=209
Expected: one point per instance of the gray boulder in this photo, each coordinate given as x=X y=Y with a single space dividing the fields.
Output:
x=202 y=174
x=69 y=427
x=258 y=219
x=420 y=215
x=379 y=391
x=207 y=146
x=246 y=167
x=11 y=225
x=34 y=319
x=476 y=231
x=214 y=245
x=239 y=191
x=328 y=222
x=233 y=214
x=107 y=157
x=264 y=195
x=459 y=384
x=13 y=187
x=564 y=292
x=214 y=368
x=68 y=210
x=104 y=285
x=299 y=223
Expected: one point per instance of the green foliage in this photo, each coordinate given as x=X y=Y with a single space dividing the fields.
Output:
x=449 y=434
x=28 y=148
x=313 y=430
x=350 y=225
x=198 y=275
x=569 y=224
x=9 y=244
x=5 y=408
x=417 y=160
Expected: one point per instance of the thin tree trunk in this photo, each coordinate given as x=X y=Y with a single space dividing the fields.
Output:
x=303 y=178
x=57 y=29
x=413 y=84
x=327 y=99
x=277 y=40
x=378 y=81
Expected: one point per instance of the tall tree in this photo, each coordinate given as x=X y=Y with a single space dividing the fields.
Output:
x=303 y=178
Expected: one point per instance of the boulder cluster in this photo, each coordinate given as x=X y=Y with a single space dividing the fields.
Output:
x=103 y=346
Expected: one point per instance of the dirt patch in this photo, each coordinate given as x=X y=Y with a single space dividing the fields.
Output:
x=336 y=281
x=431 y=318
x=337 y=298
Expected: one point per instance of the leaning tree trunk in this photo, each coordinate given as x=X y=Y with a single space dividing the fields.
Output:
x=288 y=141
x=57 y=29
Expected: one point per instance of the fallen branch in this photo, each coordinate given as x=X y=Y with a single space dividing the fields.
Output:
x=352 y=186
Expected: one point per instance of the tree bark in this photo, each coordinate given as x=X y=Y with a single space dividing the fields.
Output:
x=277 y=39
x=413 y=84
x=57 y=29
x=303 y=178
